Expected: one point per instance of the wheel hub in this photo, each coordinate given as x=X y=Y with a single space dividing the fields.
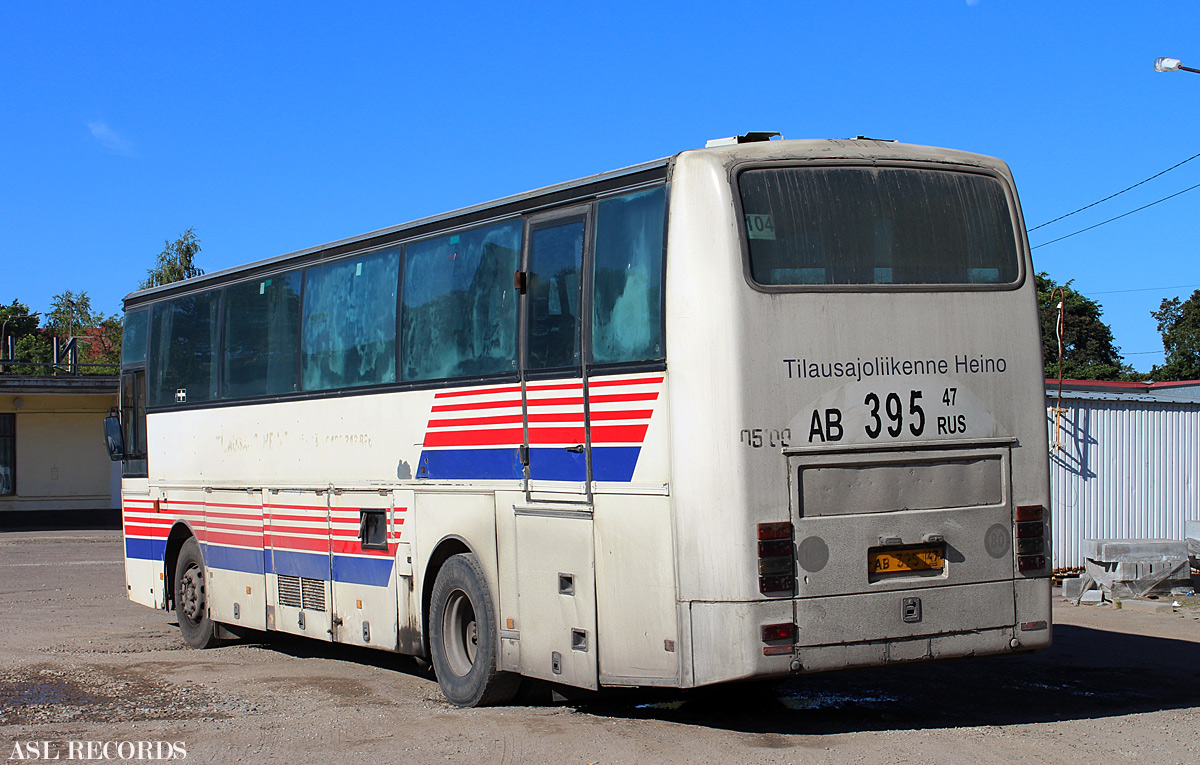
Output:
x=460 y=633
x=191 y=593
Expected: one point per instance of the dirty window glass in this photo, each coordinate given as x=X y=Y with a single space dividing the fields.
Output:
x=260 y=337
x=858 y=225
x=460 y=309
x=555 y=261
x=349 y=322
x=183 y=341
x=8 y=454
x=133 y=339
x=133 y=414
x=627 y=278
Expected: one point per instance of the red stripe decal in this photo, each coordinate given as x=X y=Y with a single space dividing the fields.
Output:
x=562 y=386
x=286 y=542
x=257 y=527
x=478 y=391
x=640 y=381
x=573 y=401
x=276 y=517
x=256 y=515
x=220 y=538
x=501 y=419
x=608 y=434
x=632 y=414
x=157 y=532
x=356 y=548
x=476 y=405
x=502 y=437
x=624 y=397
x=555 y=435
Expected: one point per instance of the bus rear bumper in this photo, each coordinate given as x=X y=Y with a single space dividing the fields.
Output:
x=869 y=629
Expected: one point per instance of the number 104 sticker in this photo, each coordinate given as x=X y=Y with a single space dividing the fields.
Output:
x=760 y=226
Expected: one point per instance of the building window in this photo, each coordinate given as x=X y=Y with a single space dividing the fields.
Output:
x=8 y=454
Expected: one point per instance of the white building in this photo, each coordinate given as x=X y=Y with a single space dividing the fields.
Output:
x=54 y=469
x=1124 y=462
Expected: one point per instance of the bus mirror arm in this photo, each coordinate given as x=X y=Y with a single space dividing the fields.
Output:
x=113 y=438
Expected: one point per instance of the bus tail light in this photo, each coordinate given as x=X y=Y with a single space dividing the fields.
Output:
x=772 y=632
x=774 y=547
x=1031 y=562
x=775 y=530
x=1031 y=538
x=1030 y=513
x=776 y=559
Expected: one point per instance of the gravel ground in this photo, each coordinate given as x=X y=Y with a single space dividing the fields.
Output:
x=79 y=663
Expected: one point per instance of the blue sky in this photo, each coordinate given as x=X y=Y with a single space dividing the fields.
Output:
x=271 y=128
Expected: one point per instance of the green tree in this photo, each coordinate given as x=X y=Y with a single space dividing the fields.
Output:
x=106 y=343
x=70 y=315
x=1179 y=323
x=31 y=345
x=176 y=262
x=1088 y=349
x=99 y=335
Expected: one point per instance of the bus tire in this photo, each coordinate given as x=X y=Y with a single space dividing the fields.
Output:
x=191 y=597
x=462 y=636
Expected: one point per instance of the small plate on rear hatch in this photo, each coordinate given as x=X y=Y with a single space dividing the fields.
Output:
x=910 y=560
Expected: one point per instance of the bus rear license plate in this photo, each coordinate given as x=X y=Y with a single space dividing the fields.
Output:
x=903 y=561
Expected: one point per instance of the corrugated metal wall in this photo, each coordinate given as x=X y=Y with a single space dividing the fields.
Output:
x=1129 y=467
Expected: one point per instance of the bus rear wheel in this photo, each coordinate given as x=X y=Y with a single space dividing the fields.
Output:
x=462 y=636
x=191 y=598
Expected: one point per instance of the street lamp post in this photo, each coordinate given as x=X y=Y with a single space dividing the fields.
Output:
x=1172 y=65
x=4 y=330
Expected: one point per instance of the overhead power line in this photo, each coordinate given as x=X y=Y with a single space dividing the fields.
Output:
x=1111 y=196
x=1122 y=215
x=1147 y=289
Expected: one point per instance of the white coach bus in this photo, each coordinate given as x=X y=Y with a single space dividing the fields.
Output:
x=759 y=409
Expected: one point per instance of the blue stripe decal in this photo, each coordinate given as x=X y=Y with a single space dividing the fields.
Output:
x=614 y=463
x=376 y=572
x=557 y=464
x=307 y=565
x=372 y=571
x=609 y=463
x=145 y=549
x=234 y=559
x=495 y=464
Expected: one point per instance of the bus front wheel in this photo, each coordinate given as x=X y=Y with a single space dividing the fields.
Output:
x=462 y=636
x=191 y=597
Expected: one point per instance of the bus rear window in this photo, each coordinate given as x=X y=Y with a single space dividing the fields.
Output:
x=862 y=225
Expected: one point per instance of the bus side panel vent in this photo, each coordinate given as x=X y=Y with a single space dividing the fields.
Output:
x=289 y=591
x=313 y=594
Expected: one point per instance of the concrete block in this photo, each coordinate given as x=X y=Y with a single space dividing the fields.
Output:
x=1071 y=588
x=1191 y=529
x=1092 y=597
x=1133 y=549
x=1142 y=605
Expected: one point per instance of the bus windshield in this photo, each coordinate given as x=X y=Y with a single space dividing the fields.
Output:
x=870 y=225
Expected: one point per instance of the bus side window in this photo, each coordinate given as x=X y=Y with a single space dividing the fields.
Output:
x=459 y=312
x=627 y=278
x=260 y=337
x=348 y=335
x=183 y=337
